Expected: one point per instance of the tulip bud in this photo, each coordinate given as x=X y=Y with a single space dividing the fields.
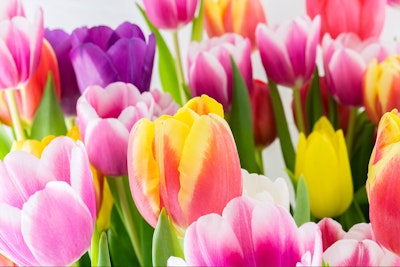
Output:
x=323 y=161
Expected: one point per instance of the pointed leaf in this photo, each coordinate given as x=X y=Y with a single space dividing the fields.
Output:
x=166 y=243
x=198 y=24
x=314 y=102
x=104 y=254
x=166 y=63
x=351 y=216
x=5 y=142
x=241 y=123
x=302 y=212
x=49 y=118
x=84 y=261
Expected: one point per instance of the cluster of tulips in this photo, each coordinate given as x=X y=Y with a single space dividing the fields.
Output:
x=97 y=168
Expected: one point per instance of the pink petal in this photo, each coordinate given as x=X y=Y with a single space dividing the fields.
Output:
x=331 y=230
x=310 y=238
x=210 y=241
x=360 y=231
x=8 y=69
x=57 y=225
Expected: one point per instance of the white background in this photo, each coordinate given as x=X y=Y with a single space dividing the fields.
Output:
x=69 y=14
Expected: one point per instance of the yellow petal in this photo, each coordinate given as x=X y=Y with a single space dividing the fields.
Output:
x=204 y=105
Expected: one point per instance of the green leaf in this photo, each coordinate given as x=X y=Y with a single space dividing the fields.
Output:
x=49 y=118
x=302 y=212
x=333 y=113
x=314 y=102
x=285 y=140
x=104 y=254
x=166 y=63
x=197 y=25
x=166 y=243
x=5 y=142
x=351 y=216
x=241 y=123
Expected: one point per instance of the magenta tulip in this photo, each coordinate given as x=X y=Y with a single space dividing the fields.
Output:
x=106 y=116
x=170 y=14
x=288 y=51
x=210 y=69
x=251 y=233
x=47 y=205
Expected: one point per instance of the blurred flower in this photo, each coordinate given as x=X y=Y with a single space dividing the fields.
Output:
x=20 y=46
x=262 y=188
x=170 y=14
x=323 y=161
x=383 y=184
x=186 y=163
x=264 y=125
x=44 y=199
x=363 y=18
x=106 y=116
x=251 y=233
x=381 y=87
x=288 y=51
x=210 y=69
x=101 y=56
x=393 y=3
x=345 y=60
x=242 y=17
x=10 y=9
x=61 y=43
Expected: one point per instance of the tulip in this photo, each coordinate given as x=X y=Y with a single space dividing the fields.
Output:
x=186 y=163
x=210 y=69
x=251 y=233
x=382 y=184
x=264 y=125
x=240 y=17
x=381 y=87
x=48 y=205
x=101 y=56
x=363 y=18
x=345 y=61
x=288 y=52
x=323 y=161
x=393 y=3
x=106 y=116
x=60 y=41
x=20 y=48
x=10 y=9
x=171 y=14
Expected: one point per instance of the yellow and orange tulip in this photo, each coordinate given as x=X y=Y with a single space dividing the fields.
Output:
x=323 y=161
x=383 y=184
x=186 y=163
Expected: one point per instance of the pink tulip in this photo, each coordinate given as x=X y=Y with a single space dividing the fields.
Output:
x=170 y=14
x=20 y=46
x=10 y=9
x=47 y=205
x=394 y=3
x=210 y=69
x=252 y=233
x=106 y=116
x=345 y=61
x=288 y=51
x=363 y=18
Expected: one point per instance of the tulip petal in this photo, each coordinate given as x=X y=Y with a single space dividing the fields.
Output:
x=127 y=30
x=162 y=13
x=210 y=241
x=8 y=69
x=331 y=230
x=11 y=239
x=55 y=212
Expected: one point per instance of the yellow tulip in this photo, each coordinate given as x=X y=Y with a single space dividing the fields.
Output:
x=323 y=161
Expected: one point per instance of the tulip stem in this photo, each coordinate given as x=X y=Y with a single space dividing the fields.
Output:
x=179 y=67
x=15 y=117
x=259 y=160
x=350 y=128
x=299 y=110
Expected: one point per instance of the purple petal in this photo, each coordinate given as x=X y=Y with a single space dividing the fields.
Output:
x=57 y=225
x=101 y=36
x=127 y=30
x=92 y=66
x=148 y=64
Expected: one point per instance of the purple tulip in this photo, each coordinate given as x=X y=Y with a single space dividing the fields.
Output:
x=20 y=45
x=288 y=51
x=101 y=56
x=170 y=14
x=252 y=233
x=210 y=70
x=106 y=116
x=47 y=205
x=345 y=60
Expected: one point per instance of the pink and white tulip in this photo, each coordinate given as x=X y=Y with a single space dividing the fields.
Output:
x=106 y=116
x=10 y=9
x=288 y=51
x=47 y=205
x=251 y=233
x=210 y=69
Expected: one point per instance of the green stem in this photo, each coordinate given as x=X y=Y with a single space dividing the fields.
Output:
x=15 y=117
x=94 y=248
x=350 y=128
x=125 y=201
x=259 y=160
x=299 y=110
x=179 y=67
